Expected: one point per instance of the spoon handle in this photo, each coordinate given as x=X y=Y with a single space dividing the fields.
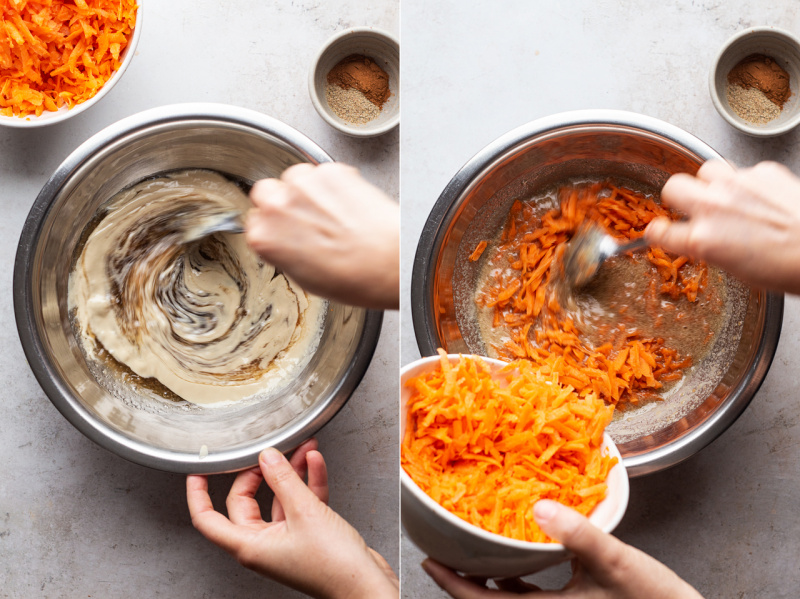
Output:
x=634 y=245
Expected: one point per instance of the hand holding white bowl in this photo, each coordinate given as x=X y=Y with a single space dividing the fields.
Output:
x=604 y=567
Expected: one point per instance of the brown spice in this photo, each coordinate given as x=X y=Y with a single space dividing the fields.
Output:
x=764 y=74
x=350 y=105
x=361 y=73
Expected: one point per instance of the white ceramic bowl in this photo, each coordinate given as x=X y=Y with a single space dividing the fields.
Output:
x=770 y=41
x=464 y=547
x=369 y=41
x=64 y=113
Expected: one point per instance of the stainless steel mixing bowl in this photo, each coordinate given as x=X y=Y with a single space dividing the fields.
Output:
x=590 y=144
x=172 y=436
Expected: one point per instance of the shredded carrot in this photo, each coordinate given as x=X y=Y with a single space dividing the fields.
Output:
x=55 y=53
x=478 y=251
x=629 y=367
x=488 y=451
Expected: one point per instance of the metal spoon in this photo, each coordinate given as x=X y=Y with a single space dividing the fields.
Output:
x=588 y=249
x=224 y=222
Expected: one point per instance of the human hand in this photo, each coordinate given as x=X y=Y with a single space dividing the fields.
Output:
x=604 y=567
x=746 y=221
x=306 y=545
x=332 y=231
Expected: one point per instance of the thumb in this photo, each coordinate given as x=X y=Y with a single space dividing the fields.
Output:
x=295 y=497
x=598 y=552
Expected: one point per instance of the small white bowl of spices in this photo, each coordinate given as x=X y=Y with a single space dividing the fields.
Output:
x=354 y=82
x=755 y=81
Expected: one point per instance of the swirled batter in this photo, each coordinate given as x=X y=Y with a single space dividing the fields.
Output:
x=208 y=319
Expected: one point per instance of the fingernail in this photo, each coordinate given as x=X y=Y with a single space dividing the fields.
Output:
x=426 y=563
x=544 y=510
x=271 y=456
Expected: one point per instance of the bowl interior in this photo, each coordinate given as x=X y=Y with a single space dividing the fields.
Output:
x=386 y=53
x=475 y=551
x=63 y=113
x=176 y=435
x=781 y=46
x=478 y=211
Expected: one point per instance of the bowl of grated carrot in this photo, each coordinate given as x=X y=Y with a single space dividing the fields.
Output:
x=57 y=59
x=482 y=442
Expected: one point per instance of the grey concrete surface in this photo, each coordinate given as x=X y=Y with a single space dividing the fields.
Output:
x=725 y=520
x=77 y=521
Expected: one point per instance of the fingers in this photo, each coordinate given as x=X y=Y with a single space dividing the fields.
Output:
x=689 y=194
x=264 y=191
x=256 y=229
x=686 y=193
x=597 y=551
x=331 y=186
x=318 y=476
x=241 y=503
x=211 y=524
x=298 y=462
x=197 y=496
x=715 y=170
x=289 y=489
x=455 y=585
x=298 y=459
x=383 y=565
x=321 y=174
x=675 y=237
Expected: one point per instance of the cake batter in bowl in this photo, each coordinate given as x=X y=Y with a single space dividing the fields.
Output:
x=135 y=415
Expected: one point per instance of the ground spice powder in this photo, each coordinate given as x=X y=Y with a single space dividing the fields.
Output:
x=758 y=88
x=752 y=105
x=764 y=74
x=357 y=89
x=350 y=105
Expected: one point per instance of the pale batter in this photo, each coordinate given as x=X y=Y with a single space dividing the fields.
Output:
x=208 y=319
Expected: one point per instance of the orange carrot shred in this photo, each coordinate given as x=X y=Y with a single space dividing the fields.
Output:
x=478 y=251
x=530 y=438
x=55 y=53
x=525 y=304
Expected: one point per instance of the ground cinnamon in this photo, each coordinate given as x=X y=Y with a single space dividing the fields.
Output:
x=764 y=74
x=363 y=74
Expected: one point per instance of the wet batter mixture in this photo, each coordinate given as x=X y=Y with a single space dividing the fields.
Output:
x=628 y=336
x=207 y=319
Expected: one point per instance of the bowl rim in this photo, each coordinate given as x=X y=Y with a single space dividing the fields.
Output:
x=408 y=483
x=431 y=239
x=47 y=375
x=766 y=130
x=315 y=94
x=33 y=121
